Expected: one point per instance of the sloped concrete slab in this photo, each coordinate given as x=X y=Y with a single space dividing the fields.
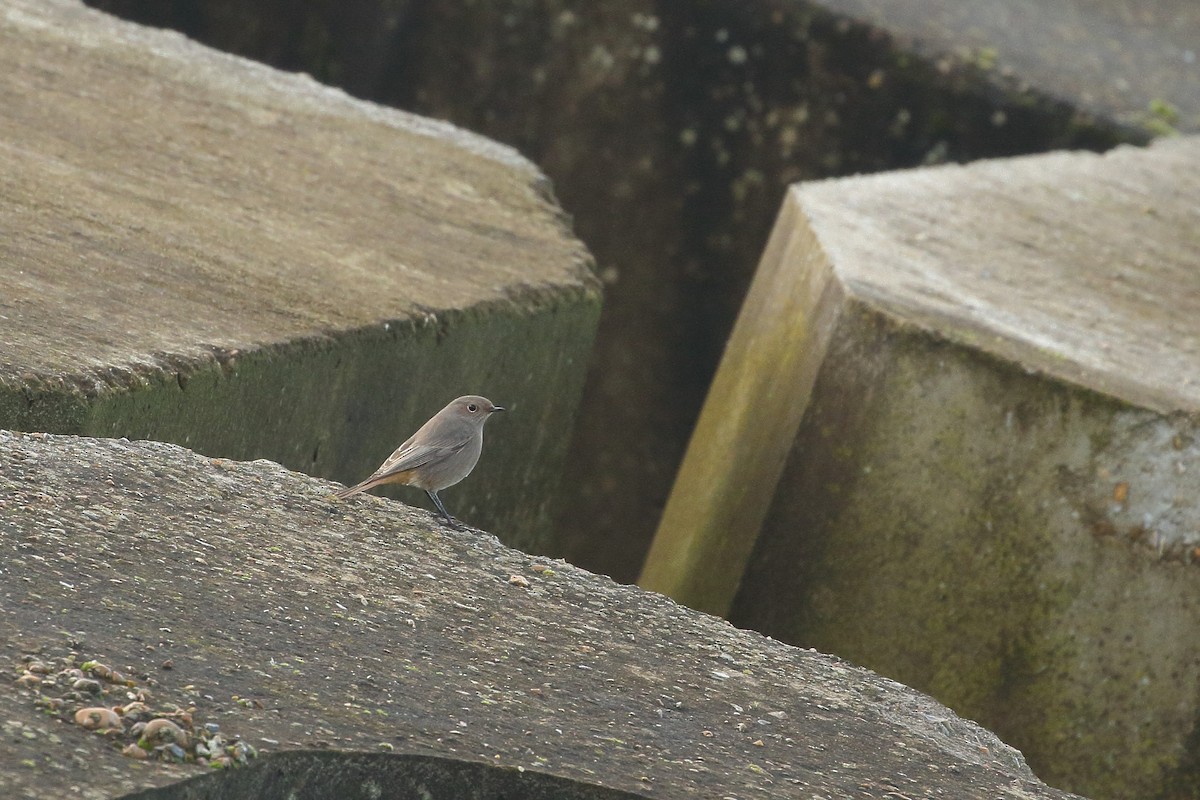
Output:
x=960 y=405
x=204 y=250
x=239 y=593
x=1137 y=63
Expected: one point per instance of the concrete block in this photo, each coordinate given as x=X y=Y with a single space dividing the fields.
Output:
x=361 y=649
x=204 y=250
x=1132 y=62
x=960 y=405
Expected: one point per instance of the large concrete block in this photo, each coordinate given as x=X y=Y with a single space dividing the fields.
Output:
x=204 y=250
x=365 y=651
x=960 y=404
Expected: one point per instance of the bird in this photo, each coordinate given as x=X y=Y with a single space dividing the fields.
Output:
x=441 y=453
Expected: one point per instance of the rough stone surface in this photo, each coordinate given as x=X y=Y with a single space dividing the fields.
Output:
x=671 y=131
x=1079 y=266
x=205 y=250
x=300 y=624
x=978 y=385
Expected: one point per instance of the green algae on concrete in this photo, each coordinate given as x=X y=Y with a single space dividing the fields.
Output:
x=951 y=521
x=208 y=251
x=743 y=436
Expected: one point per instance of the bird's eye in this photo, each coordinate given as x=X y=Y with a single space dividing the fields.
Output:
x=472 y=407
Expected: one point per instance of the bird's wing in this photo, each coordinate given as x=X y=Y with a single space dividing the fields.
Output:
x=410 y=456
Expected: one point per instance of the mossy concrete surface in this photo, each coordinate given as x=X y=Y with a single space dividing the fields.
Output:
x=204 y=250
x=729 y=473
x=241 y=594
x=1022 y=549
x=991 y=479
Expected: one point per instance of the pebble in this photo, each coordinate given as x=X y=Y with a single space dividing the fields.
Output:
x=97 y=718
x=103 y=672
x=244 y=752
x=162 y=731
x=135 y=711
x=172 y=737
x=133 y=751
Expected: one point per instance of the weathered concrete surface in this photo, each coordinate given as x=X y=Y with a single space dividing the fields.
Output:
x=204 y=250
x=982 y=382
x=671 y=131
x=297 y=623
x=1133 y=61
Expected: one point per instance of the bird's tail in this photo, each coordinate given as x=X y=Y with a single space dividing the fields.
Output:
x=350 y=491
x=380 y=477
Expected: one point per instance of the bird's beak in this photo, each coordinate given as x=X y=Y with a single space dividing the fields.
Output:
x=498 y=408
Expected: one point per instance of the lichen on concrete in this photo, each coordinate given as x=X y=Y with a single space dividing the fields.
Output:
x=960 y=534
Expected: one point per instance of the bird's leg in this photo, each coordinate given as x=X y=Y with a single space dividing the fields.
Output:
x=433 y=496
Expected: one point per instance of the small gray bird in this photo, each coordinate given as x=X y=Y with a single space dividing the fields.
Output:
x=440 y=454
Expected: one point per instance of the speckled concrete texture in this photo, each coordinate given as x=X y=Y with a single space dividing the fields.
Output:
x=240 y=594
